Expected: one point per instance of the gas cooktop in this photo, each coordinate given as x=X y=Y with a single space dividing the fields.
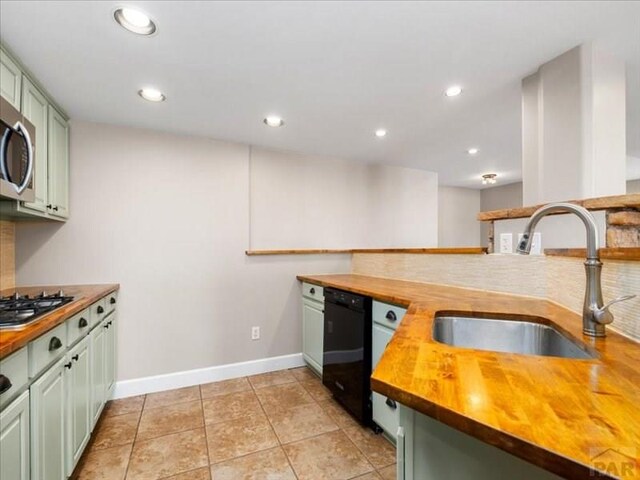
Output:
x=17 y=311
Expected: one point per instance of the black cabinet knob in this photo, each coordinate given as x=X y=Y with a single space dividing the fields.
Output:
x=68 y=365
x=391 y=403
x=312 y=291
x=75 y=357
x=391 y=316
x=100 y=309
x=55 y=209
x=106 y=325
x=49 y=205
x=112 y=301
x=54 y=344
x=83 y=322
x=5 y=384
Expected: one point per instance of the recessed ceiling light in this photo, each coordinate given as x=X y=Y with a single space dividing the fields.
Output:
x=381 y=132
x=135 y=21
x=489 y=178
x=472 y=151
x=273 y=121
x=152 y=94
x=453 y=91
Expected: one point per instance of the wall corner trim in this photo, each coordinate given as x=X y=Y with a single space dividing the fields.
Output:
x=188 y=378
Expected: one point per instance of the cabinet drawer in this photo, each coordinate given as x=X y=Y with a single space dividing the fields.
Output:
x=111 y=301
x=387 y=315
x=313 y=291
x=15 y=370
x=98 y=311
x=78 y=326
x=47 y=349
x=386 y=414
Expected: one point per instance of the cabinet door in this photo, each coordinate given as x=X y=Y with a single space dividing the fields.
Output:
x=10 y=80
x=14 y=440
x=58 y=164
x=48 y=423
x=313 y=333
x=110 y=355
x=34 y=108
x=78 y=403
x=97 y=353
x=385 y=410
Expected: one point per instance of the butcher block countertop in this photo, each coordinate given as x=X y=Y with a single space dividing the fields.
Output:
x=84 y=295
x=559 y=414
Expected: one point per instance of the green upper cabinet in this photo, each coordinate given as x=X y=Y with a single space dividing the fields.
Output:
x=34 y=108
x=10 y=80
x=58 y=164
x=51 y=171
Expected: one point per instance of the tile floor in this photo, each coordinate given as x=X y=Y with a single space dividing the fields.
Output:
x=276 y=426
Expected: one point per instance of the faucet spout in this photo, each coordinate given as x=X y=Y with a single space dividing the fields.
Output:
x=594 y=314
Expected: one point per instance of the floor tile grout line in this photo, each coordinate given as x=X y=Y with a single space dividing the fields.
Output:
x=206 y=437
x=126 y=470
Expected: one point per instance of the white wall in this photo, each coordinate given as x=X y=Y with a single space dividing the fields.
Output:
x=497 y=198
x=633 y=186
x=458 y=225
x=167 y=217
x=299 y=201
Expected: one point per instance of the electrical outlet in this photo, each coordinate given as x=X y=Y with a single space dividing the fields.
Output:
x=536 y=243
x=506 y=243
x=255 y=333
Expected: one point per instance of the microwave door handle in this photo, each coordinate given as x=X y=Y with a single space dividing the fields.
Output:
x=27 y=138
x=4 y=146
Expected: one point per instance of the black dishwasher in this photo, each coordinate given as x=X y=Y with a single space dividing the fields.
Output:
x=346 y=364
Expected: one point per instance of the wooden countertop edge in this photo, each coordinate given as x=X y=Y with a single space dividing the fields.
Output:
x=525 y=449
x=600 y=203
x=51 y=319
x=622 y=253
x=432 y=251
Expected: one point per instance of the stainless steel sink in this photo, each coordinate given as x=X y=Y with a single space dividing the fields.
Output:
x=511 y=334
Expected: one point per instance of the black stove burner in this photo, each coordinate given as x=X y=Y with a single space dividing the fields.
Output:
x=17 y=310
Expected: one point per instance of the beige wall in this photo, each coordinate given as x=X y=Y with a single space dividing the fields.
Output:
x=633 y=186
x=457 y=217
x=300 y=201
x=168 y=218
x=497 y=198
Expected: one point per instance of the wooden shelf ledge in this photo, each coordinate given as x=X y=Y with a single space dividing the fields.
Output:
x=622 y=253
x=594 y=204
x=432 y=251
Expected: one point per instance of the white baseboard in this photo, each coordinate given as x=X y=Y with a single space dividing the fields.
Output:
x=158 y=383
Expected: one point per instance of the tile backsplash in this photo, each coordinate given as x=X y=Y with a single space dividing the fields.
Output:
x=559 y=279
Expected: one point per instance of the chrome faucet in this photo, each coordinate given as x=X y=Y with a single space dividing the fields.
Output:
x=595 y=315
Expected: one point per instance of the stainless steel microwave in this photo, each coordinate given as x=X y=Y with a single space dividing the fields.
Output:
x=17 y=154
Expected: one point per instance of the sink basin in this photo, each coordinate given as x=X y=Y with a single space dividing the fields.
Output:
x=512 y=334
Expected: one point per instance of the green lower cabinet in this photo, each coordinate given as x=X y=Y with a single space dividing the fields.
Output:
x=78 y=402
x=48 y=424
x=110 y=355
x=312 y=333
x=429 y=449
x=385 y=410
x=14 y=440
x=97 y=339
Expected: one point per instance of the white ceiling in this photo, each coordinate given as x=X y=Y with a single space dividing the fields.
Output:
x=335 y=71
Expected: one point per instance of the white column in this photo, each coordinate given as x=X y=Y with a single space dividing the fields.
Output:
x=573 y=128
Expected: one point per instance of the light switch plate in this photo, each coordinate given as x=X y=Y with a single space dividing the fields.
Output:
x=506 y=243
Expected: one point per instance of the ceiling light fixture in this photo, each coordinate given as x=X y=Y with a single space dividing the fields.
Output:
x=273 y=121
x=453 y=91
x=472 y=151
x=381 y=132
x=135 y=21
x=152 y=95
x=489 y=179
